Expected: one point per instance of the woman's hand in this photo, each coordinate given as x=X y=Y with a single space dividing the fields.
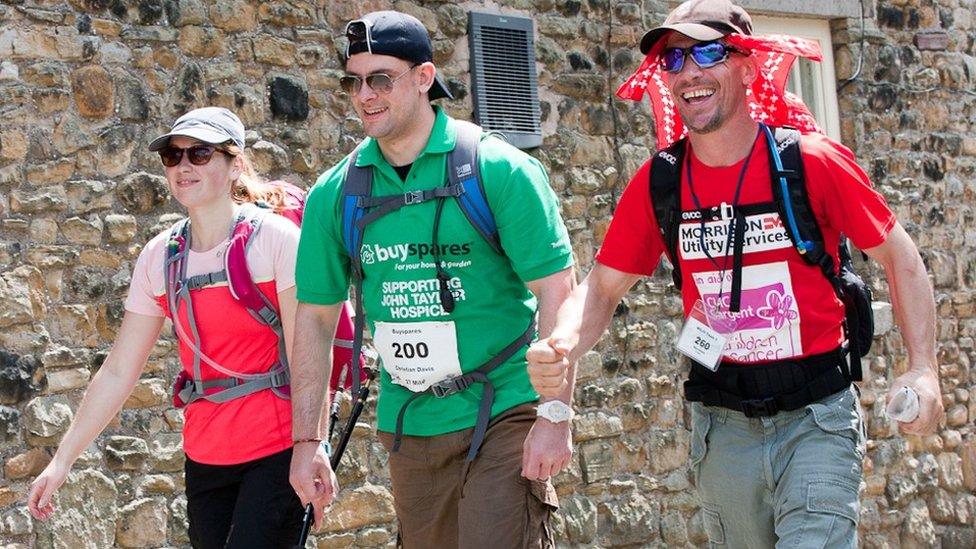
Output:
x=43 y=488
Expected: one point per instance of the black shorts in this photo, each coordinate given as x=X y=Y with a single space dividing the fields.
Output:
x=249 y=505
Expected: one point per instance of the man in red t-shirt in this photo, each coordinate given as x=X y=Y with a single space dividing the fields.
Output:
x=777 y=438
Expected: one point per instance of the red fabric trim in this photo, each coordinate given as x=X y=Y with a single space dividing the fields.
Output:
x=769 y=102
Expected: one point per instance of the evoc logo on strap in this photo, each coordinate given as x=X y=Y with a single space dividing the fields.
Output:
x=668 y=156
x=463 y=170
x=782 y=145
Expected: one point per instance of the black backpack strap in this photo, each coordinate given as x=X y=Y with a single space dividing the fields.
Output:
x=665 y=184
x=793 y=201
x=463 y=171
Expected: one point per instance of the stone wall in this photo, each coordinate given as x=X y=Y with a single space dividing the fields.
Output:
x=85 y=84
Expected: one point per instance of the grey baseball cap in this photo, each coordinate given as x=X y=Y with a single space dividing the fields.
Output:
x=212 y=125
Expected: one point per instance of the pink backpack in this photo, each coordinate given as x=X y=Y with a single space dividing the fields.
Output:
x=242 y=287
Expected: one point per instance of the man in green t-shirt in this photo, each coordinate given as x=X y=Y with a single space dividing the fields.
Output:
x=454 y=484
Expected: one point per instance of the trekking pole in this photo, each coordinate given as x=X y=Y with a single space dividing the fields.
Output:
x=357 y=409
x=334 y=412
x=340 y=448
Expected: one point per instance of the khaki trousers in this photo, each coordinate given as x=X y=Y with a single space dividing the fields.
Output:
x=442 y=501
x=786 y=481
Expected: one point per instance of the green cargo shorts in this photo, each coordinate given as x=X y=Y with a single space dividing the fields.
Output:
x=786 y=481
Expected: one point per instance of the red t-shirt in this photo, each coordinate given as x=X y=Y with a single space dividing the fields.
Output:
x=788 y=308
x=256 y=425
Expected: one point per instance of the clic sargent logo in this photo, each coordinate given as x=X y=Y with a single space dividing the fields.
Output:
x=374 y=253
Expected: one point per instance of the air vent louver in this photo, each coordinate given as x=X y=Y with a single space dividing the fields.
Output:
x=503 y=78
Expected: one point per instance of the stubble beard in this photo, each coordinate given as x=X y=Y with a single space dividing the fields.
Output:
x=714 y=122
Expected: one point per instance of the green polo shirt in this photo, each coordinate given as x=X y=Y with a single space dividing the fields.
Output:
x=494 y=306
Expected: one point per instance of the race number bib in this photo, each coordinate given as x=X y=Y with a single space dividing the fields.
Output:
x=418 y=354
x=699 y=342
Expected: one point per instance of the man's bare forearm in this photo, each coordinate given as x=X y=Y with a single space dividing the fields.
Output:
x=552 y=293
x=590 y=308
x=911 y=296
x=311 y=368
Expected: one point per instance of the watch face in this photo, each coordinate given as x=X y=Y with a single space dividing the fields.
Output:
x=555 y=411
x=559 y=413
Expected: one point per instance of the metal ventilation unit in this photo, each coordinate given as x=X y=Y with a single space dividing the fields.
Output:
x=504 y=85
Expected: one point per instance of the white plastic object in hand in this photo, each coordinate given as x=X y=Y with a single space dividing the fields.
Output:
x=903 y=407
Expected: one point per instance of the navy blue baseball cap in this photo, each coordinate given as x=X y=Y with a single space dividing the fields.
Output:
x=398 y=35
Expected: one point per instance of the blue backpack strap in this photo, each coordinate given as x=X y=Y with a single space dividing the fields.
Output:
x=463 y=170
x=665 y=182
x=358 y=183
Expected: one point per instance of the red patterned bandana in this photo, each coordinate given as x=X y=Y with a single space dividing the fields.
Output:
x=769 y=102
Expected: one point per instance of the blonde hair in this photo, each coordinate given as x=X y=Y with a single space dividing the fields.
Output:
x=251 y=187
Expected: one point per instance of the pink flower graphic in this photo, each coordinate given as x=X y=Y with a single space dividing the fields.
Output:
x=778 y=309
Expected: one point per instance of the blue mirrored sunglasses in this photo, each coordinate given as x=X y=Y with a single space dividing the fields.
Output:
x=705 y=55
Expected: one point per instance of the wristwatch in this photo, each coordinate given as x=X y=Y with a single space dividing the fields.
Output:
x=555 y=411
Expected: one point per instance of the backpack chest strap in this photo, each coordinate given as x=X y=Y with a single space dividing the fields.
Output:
x=383 y=205
x=725 y=211
x=204 y=280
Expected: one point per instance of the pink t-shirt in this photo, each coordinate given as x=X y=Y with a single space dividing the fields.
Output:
x=258 y=424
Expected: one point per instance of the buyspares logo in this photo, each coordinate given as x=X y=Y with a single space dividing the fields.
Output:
x=374 y=253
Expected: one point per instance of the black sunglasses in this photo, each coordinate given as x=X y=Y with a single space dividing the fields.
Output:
x=705 y=55
x=380 y=83
x=198 y=155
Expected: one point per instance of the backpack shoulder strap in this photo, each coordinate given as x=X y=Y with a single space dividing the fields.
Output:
x=357 y=183
x=792 y=199
x=174 y=266
x=463 y=170
x=239 y=279
x=665 y=182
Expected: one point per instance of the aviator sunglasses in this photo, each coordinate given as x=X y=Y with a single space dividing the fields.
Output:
x=705 y=55
x=380 y=83
x=198 y=155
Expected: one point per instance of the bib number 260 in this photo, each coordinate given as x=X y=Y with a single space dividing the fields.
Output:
x=410 y=350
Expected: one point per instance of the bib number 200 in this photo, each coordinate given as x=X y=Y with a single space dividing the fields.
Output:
x=410 y=350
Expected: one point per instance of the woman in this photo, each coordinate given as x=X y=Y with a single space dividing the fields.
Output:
x=238 y=449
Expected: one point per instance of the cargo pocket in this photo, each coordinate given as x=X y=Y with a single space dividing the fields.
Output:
x=833 y=507
x=712 y=523
x=541 y=501
x=841 y=415
x=834 y=495
x=701 y=423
